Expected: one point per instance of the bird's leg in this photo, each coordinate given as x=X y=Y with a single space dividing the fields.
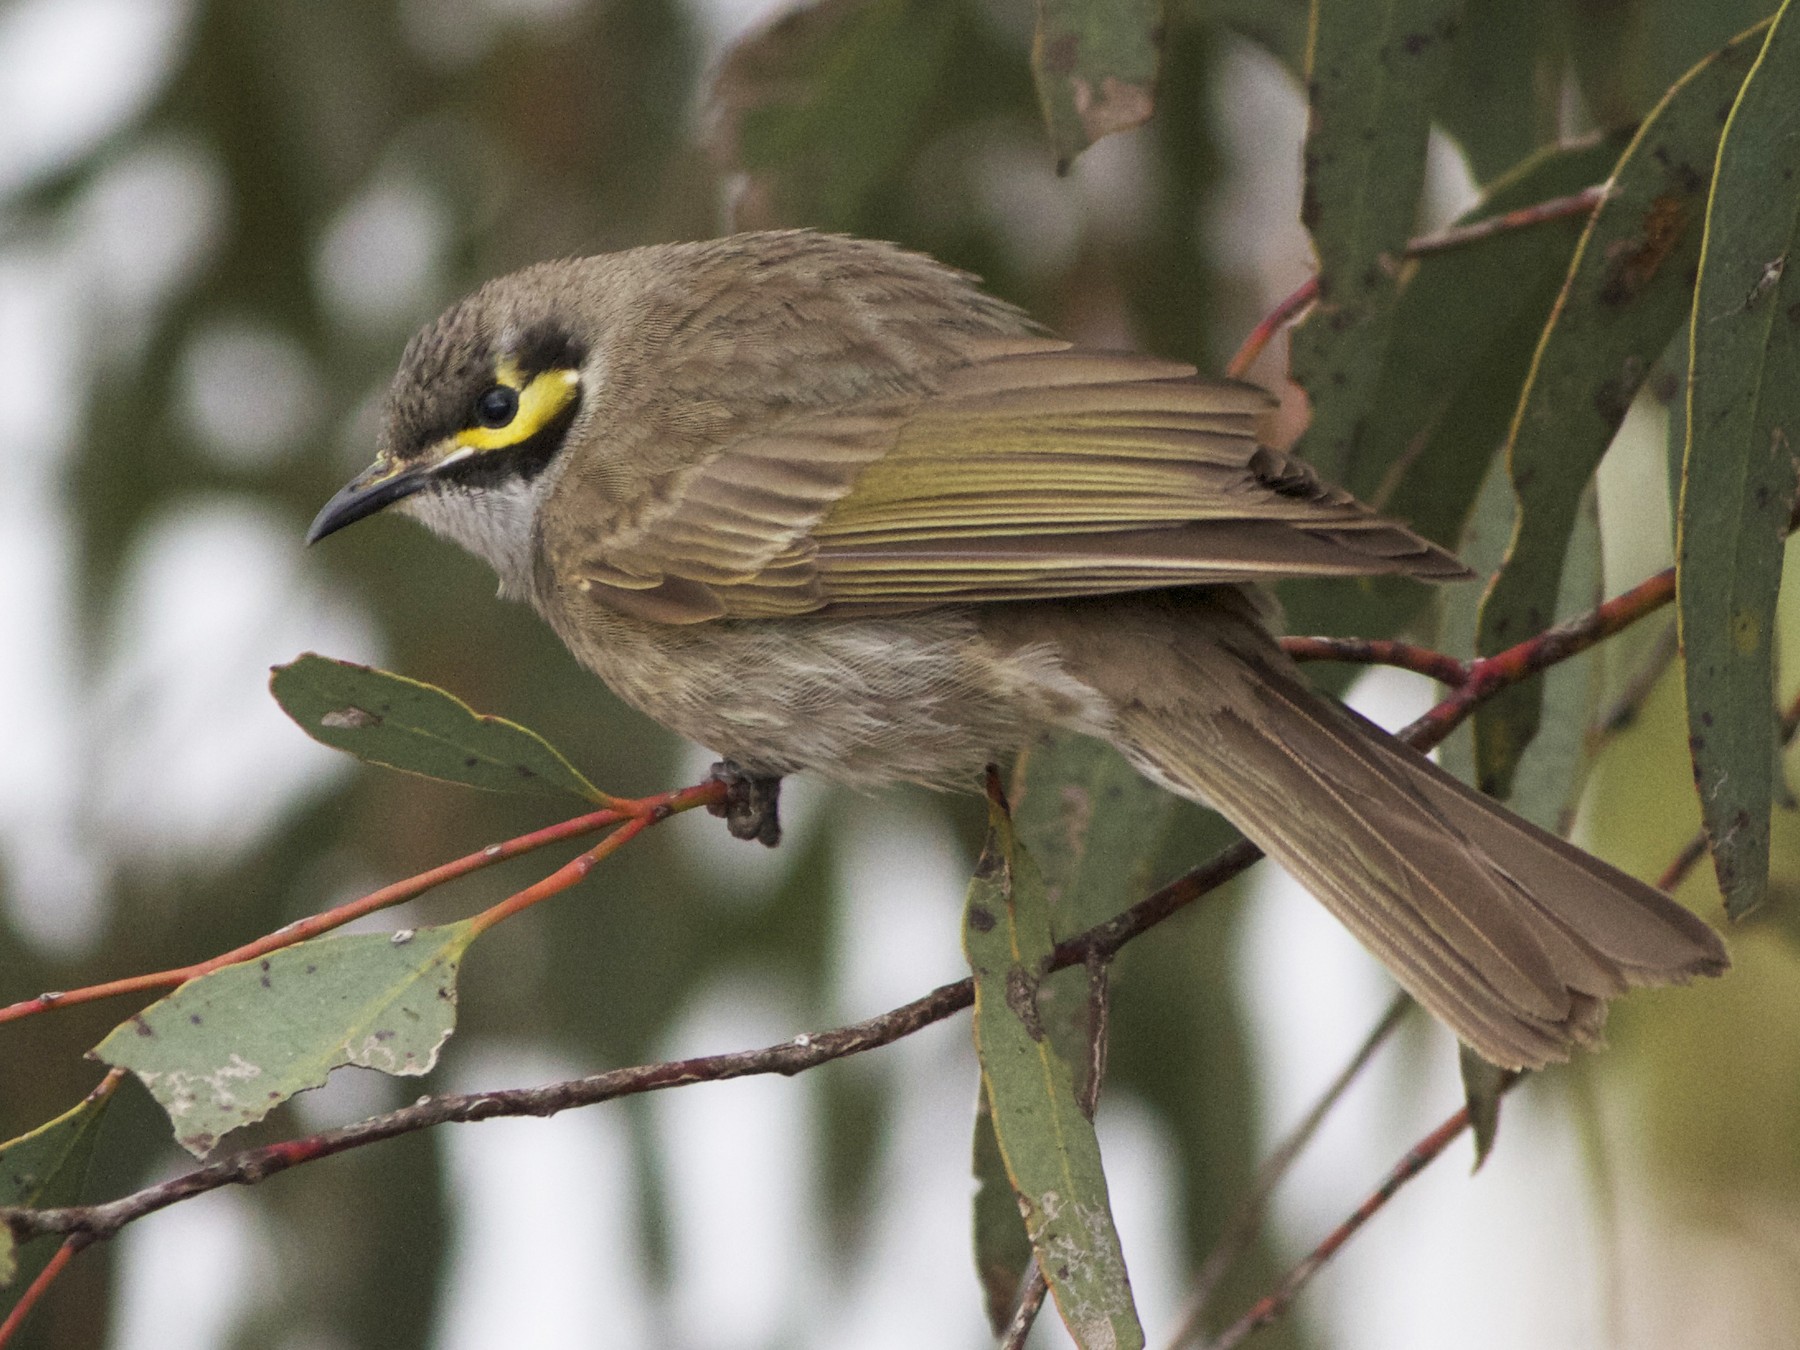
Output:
x=752 y=804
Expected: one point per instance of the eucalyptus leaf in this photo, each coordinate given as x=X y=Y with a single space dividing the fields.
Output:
x=1737 y=481
x=1002 y=1249
x=1047 y=1142
x=1373 y=70
x=1467 y=323
x=817 y=112
x=225 y=1049
x=1483 y=1085
x=45 y=1168
x=1627 y=290
x=1095 y=63
x=406 y=724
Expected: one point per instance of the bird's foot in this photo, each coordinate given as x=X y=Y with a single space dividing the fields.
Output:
x=752 y=803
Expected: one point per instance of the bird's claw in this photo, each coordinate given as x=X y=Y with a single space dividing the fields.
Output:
x=752 y=803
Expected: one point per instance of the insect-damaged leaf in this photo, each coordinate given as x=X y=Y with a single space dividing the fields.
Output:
x=1372 y=71
x=1095 y=62
x=1628 y=288
x=45 y=1168
x=1046 y=1141
x=406 y=724
x=227 y=1048
x=1737 y=482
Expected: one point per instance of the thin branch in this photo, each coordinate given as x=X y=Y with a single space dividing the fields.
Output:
x=1273 y=322
x=1486 y=678
x=1625 y=709
x=35 y=1290
x=254 y=1165
x=1380 y=652
x=1488 y=675
x=1246 y=1220
x=640 y=813
x=1031 y=1300
x=1417 y=1159
x=1557 y=208
x=1457 y=236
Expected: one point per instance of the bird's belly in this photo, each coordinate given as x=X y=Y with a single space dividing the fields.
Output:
x=865 y=701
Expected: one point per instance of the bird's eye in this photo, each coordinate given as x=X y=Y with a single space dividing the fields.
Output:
x=497 y=406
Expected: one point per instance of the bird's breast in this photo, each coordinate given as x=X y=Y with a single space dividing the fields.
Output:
x=921 y=698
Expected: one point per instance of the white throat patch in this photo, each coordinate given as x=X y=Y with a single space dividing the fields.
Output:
x=495 y=523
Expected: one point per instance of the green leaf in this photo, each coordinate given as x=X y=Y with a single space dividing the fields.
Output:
x=820 y=108
x=1501 y=97
x=1627 y=290
x=1626 y=53
x=1048 y=1145
x=45 y=1169
x=1096 y=828
x=1547 y=783
x=1093 y=824
x=225 y=1049
x=1467 y=323
x=1738 y=474
x=1095 y=62
x=405 y=724
x=1372 y=72
x=1002 y=1250
x=1483 y=1085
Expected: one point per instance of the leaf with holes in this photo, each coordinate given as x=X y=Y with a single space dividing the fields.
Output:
x=225 y=1049
x=1737 y=481
x=416 y=727
x=1046 y=1142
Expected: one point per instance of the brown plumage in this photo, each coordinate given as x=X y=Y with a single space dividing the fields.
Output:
x=822 y=505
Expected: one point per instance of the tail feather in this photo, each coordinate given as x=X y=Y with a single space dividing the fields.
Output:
x=1511 y=936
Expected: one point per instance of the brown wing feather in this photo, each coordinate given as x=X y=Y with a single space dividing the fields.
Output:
x=1035 y=470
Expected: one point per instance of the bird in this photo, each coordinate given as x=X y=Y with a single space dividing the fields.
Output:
x=824 y=505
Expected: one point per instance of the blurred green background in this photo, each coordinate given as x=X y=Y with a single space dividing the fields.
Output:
x=220 y=220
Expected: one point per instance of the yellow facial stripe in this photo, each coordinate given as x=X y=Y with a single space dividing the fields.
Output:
x=540 y=400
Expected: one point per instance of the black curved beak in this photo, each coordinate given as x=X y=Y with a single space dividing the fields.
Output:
x=381 y=484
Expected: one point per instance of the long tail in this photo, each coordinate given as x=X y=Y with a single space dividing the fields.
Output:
x=1514 y=938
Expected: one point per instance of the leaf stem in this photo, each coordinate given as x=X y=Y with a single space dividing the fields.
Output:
x=1457 y=236
x=638 y=812
x=36 y=1289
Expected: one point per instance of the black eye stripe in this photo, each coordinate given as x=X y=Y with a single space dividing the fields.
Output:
x=497 y=406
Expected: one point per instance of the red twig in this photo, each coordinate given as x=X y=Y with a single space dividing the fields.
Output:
x=1264 y=333
x=1488 y=675
x=805 y=1052
x=1380 y=652
x=1246 y=1220
x=1417 y=1159
x=1557 y=208
x=639 y=813
x=35 y=1290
